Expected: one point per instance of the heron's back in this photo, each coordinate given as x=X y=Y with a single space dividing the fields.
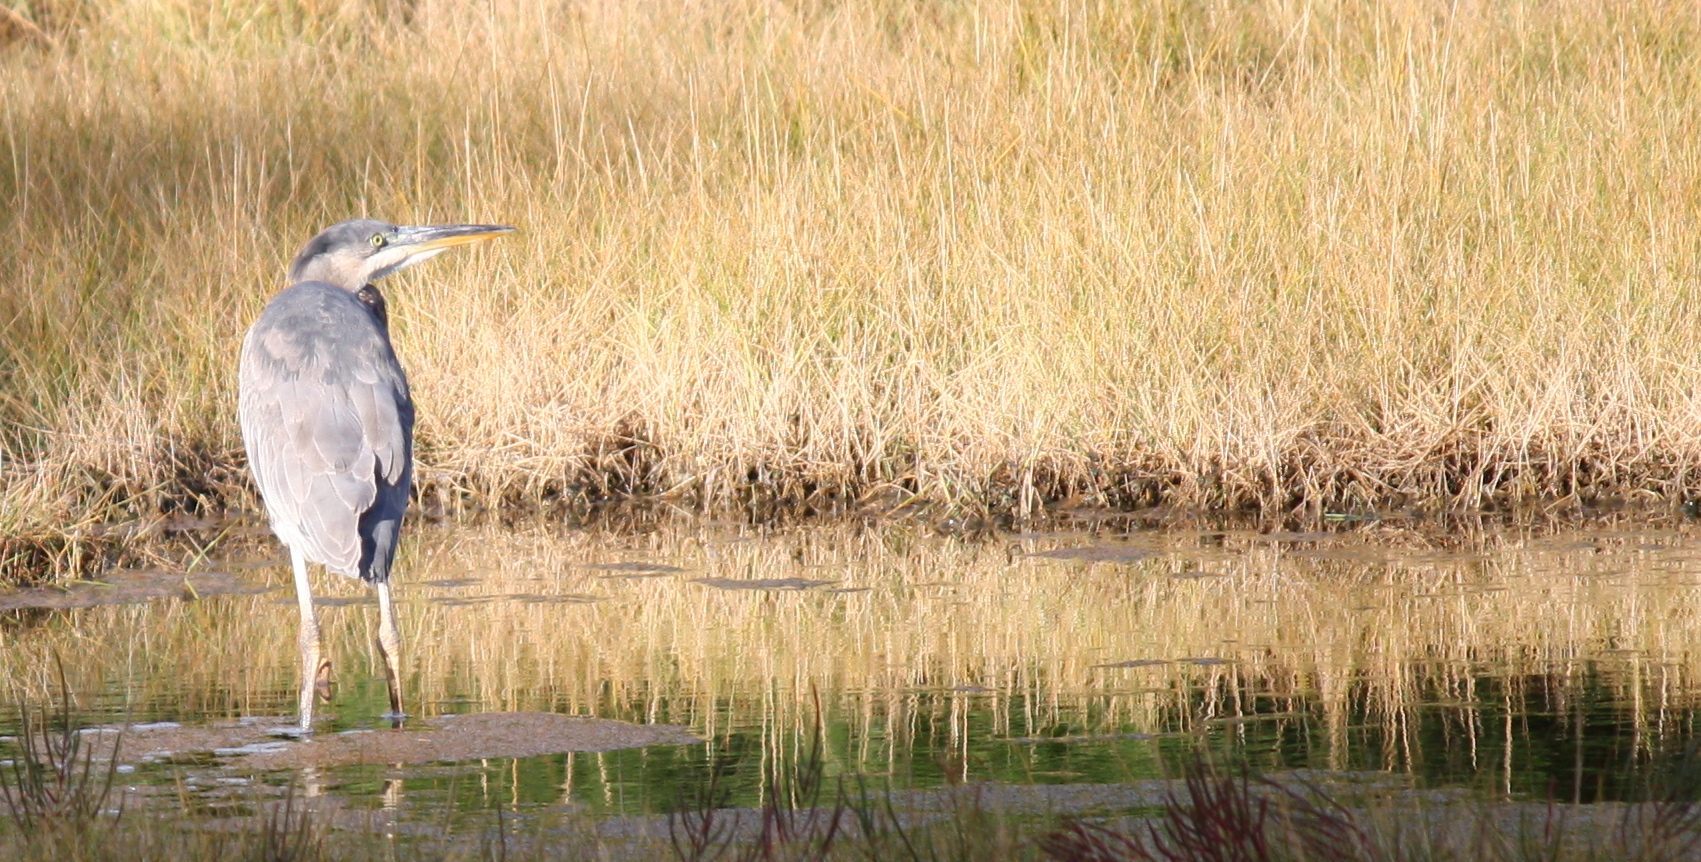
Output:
x=328 y=425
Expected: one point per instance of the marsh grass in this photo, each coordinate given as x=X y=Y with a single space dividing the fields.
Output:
x=1215 y=812
x=1227 y=815
x=283 y=831
x=792 y=818
x=58 y=778
x=991 y=254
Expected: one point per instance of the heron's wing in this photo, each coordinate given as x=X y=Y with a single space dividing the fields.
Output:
x=327 y=422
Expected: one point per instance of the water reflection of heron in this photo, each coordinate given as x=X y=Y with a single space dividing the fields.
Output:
x=328 y=423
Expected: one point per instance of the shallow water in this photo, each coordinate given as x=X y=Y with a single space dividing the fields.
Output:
x=1525 y=663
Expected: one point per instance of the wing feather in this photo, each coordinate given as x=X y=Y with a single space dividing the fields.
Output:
x=327 y=422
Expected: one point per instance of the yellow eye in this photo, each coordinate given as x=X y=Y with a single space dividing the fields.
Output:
x=377 y=240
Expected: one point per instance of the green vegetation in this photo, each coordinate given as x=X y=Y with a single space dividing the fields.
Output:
x=1287 y=256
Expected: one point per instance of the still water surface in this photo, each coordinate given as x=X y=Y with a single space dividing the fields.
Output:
x=1534 y=663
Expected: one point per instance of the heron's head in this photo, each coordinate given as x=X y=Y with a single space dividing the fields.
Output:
x=355 y=253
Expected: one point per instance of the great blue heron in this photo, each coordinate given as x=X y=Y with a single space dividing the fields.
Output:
x=328 y=423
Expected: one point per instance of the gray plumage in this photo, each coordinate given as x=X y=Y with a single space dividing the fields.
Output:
x=328 y=422
x=330 y=433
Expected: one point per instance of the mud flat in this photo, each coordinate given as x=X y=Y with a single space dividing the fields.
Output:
x=253 y=743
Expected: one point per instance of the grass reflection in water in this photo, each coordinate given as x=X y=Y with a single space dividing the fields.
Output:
x=1542 y=667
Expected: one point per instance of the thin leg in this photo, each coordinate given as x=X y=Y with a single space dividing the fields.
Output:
x=390 y=647
x=315 y=668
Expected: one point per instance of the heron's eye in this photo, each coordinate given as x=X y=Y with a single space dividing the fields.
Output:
x=378 y=240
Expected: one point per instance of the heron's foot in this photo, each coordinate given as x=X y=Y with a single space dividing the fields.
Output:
x=291 y=732
x=396 y=718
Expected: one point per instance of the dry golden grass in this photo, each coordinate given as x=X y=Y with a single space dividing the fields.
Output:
x=1294 y=254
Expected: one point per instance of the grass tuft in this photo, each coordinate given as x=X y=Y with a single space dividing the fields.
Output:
x=56 y=780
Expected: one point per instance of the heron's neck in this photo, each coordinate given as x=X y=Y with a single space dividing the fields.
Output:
x=341 y=270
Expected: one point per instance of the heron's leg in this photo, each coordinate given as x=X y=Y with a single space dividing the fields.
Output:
x=390 y=646
x=315 y=668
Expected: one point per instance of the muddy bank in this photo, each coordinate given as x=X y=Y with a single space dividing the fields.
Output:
x=131 y=587
x=129 y=562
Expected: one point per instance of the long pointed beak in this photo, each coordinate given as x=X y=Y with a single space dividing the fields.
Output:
x=432 y=237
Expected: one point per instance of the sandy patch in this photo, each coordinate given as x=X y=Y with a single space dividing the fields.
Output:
x=168 y=740
x=468 y=737
x=251 y=744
